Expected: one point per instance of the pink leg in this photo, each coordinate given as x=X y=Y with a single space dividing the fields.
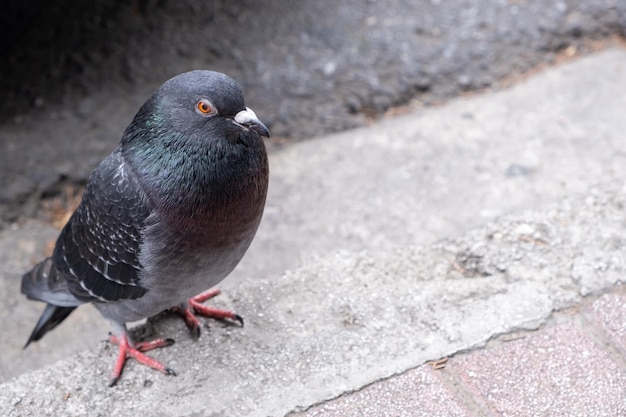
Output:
x=195 y=307
x=126 y=350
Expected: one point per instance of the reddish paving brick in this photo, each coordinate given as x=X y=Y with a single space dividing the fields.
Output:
x=609 y=312
x=414 y=393
x=557 y=371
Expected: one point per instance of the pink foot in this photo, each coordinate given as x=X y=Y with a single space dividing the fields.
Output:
x=126 y=351
x=195 y=307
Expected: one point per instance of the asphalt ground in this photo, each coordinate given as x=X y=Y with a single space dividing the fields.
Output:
x=73 y=74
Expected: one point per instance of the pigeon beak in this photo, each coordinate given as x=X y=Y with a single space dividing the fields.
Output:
x=248 y=120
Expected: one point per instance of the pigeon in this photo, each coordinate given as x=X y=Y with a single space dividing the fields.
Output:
x=166 y=216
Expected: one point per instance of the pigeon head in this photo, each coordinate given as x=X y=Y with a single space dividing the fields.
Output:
x=194 y=134
x=198 y=105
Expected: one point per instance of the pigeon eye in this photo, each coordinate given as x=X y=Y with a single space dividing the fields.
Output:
x=205 y=107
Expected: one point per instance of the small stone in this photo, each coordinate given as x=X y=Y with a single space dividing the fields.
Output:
x=524 y=230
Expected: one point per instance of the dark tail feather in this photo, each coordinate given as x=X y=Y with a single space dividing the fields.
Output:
x=44 y=283
x=51 y=317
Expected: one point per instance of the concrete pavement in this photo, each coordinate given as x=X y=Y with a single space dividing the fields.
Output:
x=369 y=295
x=341 y=322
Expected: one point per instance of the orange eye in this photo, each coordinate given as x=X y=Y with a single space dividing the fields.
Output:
x=205 y=107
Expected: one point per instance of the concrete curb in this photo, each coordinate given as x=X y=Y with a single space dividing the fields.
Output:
x=343 y=321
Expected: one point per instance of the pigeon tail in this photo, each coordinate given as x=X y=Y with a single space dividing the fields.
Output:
x=51 y=317
x=45 y=283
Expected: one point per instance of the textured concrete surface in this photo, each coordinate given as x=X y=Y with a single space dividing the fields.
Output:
x=386 y=302
x=344 y=321
x=430 y=174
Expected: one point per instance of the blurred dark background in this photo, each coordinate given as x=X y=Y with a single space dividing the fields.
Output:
x=315 y=66
x=72 y=73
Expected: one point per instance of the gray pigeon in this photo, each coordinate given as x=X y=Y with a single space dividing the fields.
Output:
x=168 y=214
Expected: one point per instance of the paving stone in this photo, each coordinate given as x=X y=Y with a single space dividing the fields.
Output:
x=417 y=392
x=609 y=313
x=558 y=371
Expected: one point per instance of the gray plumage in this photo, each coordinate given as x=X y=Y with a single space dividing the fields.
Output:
x=168 y=214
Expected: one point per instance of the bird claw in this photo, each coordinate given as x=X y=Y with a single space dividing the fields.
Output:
x=127 y=351
x=239 y=319
x=195 y=307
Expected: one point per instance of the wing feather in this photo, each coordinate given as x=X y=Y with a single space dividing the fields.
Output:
x=98 y=249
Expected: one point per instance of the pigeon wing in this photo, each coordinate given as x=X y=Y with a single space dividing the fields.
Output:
x=98 y=249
